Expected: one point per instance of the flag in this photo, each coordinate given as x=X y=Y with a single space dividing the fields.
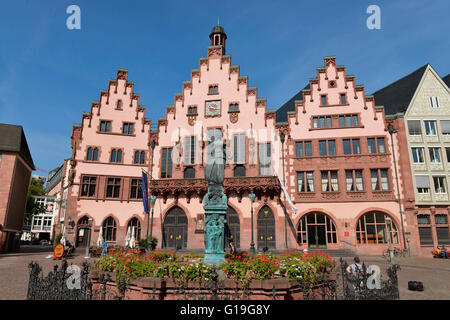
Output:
x=145 y=192
x=286 y=194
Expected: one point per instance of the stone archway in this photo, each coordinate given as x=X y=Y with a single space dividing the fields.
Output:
x=266 y=229
x=234 y=227
x=82 y=232
x=317 y=230
x=175 y=229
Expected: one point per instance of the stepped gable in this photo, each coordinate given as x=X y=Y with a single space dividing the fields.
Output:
x=120 y=85
x=188 y=87
x=336 y=77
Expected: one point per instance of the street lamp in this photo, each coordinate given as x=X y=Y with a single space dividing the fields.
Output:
x=152 y=200
x=252 y=244
x=391 y=253
x=391 y=132
x=89 y=238
x=70 y=222
x=282 y=138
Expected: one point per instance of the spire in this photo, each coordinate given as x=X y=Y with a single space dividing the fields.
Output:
x=218 y=36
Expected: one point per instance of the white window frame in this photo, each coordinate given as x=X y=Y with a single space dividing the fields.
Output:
x=414 y=151
x=426 y=122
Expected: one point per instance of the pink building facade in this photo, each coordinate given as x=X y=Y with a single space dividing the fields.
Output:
x=333 y=154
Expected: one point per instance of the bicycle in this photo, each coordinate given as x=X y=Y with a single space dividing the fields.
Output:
x=396 y=253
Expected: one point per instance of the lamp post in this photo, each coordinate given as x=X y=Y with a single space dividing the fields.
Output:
x=282 y=138
x=150 y=180
x=89 y=238
x=391 y=253
x=391 y=132
x=152 y=200
x=252 y=244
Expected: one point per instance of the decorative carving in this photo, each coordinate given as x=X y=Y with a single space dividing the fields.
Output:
x=214 y=51
x=234 y=117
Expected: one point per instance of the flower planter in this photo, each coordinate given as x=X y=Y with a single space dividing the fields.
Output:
x=154 y=288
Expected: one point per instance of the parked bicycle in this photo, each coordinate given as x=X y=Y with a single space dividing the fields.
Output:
x=396 y=253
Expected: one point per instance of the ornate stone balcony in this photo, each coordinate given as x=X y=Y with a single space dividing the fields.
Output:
x=198 y=187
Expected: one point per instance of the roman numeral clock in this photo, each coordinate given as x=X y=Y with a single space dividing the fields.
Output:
x=212 y=108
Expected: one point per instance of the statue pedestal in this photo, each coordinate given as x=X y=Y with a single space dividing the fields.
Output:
x=215 y=218
x=214 y=258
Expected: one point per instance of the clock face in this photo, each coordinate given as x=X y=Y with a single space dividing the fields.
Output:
x=213 y=108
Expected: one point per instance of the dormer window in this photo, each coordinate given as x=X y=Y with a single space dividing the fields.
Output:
x=192 y=110
x=234 y=107
x=105 y=126
x=119 y=104
x=343 y=99
x=127 y=128
x=213 y=89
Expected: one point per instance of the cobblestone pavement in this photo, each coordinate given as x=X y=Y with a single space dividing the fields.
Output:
x=434 y=273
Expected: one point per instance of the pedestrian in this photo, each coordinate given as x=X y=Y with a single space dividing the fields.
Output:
x=444 y=252
x=355 y=268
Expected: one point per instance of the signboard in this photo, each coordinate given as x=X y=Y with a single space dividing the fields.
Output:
x=58 y=251
x=200 y=224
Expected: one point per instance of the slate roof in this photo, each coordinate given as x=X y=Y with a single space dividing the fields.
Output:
x=396 y=97
x=447 y=80
x=282 y=112
x=12 y=138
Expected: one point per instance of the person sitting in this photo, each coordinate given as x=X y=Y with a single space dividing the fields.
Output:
x=443 y=252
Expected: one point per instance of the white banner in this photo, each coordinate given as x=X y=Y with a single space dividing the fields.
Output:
x=286 y=194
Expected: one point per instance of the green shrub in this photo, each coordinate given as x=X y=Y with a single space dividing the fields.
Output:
x=58 y=238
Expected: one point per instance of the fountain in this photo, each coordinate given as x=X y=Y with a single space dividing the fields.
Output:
x=215 y=205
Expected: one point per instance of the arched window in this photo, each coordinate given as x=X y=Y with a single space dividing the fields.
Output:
x=135 y=225
x=109 y=229
x=372 y=228
x=113 y=155
x=136 y=157
x=189 y=173
x=142 y=161
x=119 y=155
x=95 y=156
x=239 y=170
x=89 y=154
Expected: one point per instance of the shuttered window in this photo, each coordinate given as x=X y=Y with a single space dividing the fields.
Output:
x=239 y=148
x=414 y=128
x=189 y=150
x=425 y=235
x=445 y=127
x=166 y=167
x=264 y=158
x=422 y=184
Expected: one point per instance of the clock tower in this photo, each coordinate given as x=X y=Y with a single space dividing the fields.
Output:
x=218 y=37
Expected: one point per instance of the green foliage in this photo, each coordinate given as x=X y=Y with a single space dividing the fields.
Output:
x=36 y=189
x=58 y=238
x=145 y=242
x=193 y=255
x=242 y=267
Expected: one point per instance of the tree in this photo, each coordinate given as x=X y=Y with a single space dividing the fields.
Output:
x=36 y=189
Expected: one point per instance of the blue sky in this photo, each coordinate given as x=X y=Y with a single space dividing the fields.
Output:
x=49 y=75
